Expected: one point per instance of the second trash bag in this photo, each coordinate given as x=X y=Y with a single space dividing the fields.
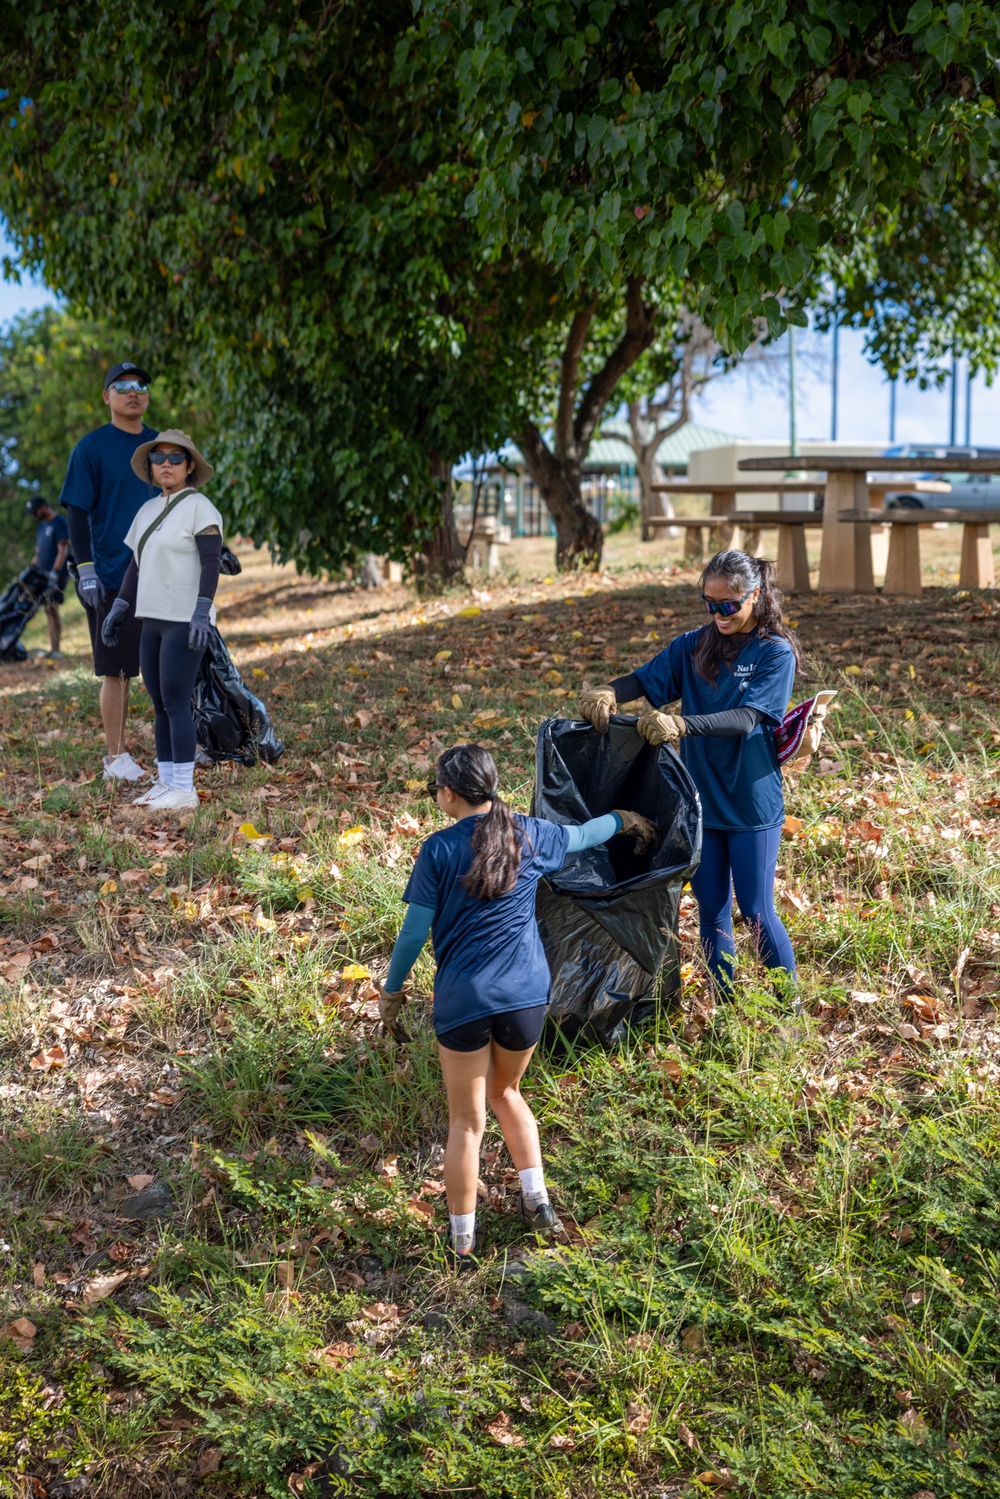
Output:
x=230 y=722
x=608 y=919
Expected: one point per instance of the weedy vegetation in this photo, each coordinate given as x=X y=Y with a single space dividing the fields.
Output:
x=221 y=1206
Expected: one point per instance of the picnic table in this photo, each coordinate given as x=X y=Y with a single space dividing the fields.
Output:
x=902 y=573
x=741 y=528
x=846 y=557
x=722 y=502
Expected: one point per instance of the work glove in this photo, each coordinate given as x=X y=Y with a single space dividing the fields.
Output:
x=89 y=585
x=200 y=628
x=52 y=583
x=638 y=827
x=662 y=728
x=597 y=706
x=389 y=1006
x=113 y=621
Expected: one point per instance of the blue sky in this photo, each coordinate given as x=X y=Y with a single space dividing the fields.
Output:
x=753 y=402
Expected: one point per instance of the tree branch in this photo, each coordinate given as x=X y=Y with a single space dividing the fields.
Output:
x=575 y=343
x=640 y=327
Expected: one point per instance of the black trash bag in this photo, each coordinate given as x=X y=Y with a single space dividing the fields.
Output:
x=608 y=919
x=230 y=722
x=18 y=604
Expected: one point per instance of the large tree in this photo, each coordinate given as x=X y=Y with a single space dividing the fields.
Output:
x=276 y=194
x=714 y=144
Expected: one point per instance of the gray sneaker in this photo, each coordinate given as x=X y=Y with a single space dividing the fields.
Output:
x=542 y=1220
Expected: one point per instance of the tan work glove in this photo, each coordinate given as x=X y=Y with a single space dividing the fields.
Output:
x=638 y=827
x=661 y=728
x=389 y=1006
x=597 y=706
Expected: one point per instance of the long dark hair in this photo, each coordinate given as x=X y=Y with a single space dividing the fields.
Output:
x=742 y=572
x=469 y=771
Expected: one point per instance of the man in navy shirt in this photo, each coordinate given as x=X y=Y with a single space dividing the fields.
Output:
x=102 y=497
x=51 y=554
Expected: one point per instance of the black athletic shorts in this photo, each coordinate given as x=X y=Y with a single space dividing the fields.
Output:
x=121 y=660
x=514 y=1030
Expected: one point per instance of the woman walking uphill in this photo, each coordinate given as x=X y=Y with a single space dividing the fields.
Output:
x=176 y=542
x=734 y=679
x=474 y=883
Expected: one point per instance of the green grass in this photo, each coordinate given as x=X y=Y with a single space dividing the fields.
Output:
x=785 y=1254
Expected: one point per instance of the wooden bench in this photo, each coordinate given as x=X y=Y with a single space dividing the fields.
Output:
x=902 y=572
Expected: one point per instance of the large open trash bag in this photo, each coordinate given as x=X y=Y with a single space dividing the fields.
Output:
x=19 y=603
x=230 y=723
x=608 y=919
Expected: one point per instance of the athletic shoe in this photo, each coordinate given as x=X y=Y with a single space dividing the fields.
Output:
x=156 y=793
x=542 y=1220
x=173 y=800
x=464 y=1264
x=123 y=768
x=52 y=656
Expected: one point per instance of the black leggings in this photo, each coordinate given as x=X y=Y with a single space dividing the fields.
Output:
x=169 y=671
x=514 y=1030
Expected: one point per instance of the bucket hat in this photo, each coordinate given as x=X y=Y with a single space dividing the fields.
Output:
x=203 y=470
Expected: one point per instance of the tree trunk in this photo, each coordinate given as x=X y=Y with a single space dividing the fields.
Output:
x=579 y=537
x=442 y=559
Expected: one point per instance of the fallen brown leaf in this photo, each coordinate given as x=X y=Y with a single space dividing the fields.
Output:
x=102 y=1286
x=209 y=1462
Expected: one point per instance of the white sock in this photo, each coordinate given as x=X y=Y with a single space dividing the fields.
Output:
x=184 y=776
x=165 y=772
x=463 y=1231
x=533 y=1187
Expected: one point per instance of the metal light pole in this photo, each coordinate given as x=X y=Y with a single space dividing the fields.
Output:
x=968 y=409
x=836 y=372
x=953 y=423
x=792 y=436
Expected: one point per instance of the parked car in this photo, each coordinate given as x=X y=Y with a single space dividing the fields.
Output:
x=968 y=491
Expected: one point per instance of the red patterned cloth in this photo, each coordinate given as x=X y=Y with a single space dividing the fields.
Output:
x=788 y=734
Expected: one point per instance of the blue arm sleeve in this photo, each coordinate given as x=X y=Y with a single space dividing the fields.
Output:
x=590 y=834
x=413 y=934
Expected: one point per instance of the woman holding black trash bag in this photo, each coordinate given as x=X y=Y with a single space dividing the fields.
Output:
x=474 y=885
x=176 y=541
x=734 y=678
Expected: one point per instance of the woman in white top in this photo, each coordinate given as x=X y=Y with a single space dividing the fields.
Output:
x=176 y=541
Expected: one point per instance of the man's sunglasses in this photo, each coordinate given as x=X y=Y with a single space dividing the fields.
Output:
x=726 y=607
x=174 y=459
x=122 y=387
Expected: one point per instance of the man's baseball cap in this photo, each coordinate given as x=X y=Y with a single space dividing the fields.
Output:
x=128 y=369
x=35 y=504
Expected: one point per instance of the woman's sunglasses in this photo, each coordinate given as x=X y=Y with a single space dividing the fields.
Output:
x=726 y=607
x=174 y=459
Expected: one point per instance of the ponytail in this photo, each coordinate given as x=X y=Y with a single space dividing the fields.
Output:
x=497 y=841
x=743 y=573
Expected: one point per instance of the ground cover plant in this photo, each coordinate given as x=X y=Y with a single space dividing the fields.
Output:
x=221 y=1214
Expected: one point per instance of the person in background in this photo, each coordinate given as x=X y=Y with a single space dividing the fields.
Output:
x=474 y=886
x=51 y=556
x=734 y=678
x=176 y=542
x=102 y=495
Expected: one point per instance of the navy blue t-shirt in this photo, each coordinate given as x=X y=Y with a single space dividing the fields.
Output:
x=489 y=954
x=47 y=538
x=99 y=480
x=738 y=779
